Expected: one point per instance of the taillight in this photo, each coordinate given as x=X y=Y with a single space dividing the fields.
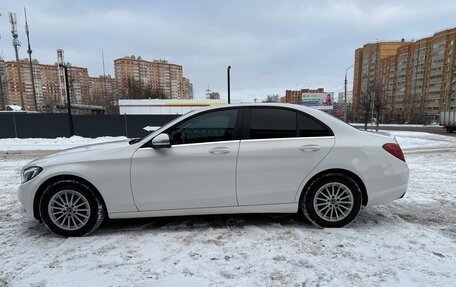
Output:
x=395 y=150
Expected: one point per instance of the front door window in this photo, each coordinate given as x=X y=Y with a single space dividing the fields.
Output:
x=207 y=127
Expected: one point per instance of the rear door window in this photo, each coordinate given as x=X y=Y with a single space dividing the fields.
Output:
x=310 y=127
x=272 y=123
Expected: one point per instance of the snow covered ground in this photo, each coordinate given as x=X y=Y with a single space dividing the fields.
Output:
x=410 y=242
x=15 y=144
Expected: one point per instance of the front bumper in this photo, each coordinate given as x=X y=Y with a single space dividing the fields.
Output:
x=26 y=194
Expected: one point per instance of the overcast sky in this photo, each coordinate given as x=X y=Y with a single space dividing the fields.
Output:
x=271 y=45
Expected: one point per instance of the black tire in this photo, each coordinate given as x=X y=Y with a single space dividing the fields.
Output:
x=95 y=211
x=315 y=214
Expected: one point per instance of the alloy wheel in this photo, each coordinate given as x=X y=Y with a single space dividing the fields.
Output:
x=69 y=209
x=333 y=201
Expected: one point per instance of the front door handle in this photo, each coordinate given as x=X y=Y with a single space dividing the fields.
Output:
x=309 y=147
x=219 y=150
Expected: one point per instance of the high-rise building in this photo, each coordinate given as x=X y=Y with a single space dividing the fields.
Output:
x=366 y=68
x=52 y=86
x=79 y=83
x=188 y=88
x=413 y=81
x=101 y=90
x=12 y=90
x=341 y=100
x=49 y=85
x=157 y=75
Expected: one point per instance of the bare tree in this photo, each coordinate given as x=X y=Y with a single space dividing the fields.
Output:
x=272 y=99
x=136 y=90
x=378 y=102
x=372 y=101
x=365 y=103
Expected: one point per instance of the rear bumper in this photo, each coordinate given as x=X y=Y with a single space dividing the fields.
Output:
x=388 y=187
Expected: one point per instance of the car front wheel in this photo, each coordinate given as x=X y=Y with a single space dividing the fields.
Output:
x=332 y=200
x=69 y=208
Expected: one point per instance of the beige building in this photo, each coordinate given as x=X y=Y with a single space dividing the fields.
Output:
x=101 y=90
x=188 y=89
x=366 y=69
x=157 y=75
x=414 y=82
x=341 y=100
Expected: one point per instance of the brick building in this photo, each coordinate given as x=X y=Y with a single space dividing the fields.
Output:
x=413 y=81
x=156 y=75
x=102 y=90
x=49 y=84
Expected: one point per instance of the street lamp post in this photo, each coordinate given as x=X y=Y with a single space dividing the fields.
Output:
x=345 y=94
x=228 y=70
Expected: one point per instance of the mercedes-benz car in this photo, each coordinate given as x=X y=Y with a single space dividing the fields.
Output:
x=247 y=158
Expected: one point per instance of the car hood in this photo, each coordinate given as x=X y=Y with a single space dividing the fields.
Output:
x=86 y=152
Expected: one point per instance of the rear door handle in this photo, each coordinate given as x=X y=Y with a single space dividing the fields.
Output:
x=219 y=150
x=309 y=147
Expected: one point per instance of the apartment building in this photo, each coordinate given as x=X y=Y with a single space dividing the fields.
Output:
x=156 y=75
x=102 y=90
x=414 y=80
x=341 y=100
x=11 y=88
x=188 y=89
x=366 y=68
x=49 y=84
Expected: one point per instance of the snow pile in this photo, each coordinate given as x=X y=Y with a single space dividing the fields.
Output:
x=421 y=141
x=17 y=144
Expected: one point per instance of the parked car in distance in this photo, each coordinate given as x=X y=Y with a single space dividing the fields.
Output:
x=247 y=158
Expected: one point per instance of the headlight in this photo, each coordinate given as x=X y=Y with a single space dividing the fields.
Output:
x=30 y=172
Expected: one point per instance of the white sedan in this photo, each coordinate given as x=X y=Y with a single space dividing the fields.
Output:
x=250 y=158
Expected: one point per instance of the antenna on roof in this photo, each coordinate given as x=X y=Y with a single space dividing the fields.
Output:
x=29 y=51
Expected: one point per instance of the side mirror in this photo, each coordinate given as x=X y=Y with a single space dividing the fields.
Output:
x=161 y=141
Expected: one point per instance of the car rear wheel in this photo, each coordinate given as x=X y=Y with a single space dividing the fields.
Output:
x=69 y=208
x=332 y=200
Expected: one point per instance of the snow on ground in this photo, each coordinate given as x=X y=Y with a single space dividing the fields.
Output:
x=414 y=141
x=410 y=242
x=17 y=144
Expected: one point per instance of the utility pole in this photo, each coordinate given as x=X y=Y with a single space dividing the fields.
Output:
x=16 y=45
x=372 y=108
x=2 y=96
x=104 y=79
x=29 y=51
x=228 y=70
x=62 y=64
x=345 y=94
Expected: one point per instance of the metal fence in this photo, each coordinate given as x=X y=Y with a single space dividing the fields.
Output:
x=23 y=125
